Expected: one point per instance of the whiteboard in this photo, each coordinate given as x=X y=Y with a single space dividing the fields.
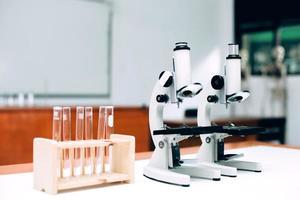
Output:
x=54 y=47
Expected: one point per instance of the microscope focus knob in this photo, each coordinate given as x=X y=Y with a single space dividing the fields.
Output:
x=217 y=82
x=162 y=98
x=212 y=98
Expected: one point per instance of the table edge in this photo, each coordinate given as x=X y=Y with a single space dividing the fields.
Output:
x=28 y=167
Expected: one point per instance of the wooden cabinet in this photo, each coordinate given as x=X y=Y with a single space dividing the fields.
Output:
x=18 y=127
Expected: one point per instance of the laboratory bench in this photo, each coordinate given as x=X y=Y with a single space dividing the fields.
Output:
x=278 y=180
x=27 y=167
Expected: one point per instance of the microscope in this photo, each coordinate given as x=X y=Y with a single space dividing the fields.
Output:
x=173 y=87
x=226 y=90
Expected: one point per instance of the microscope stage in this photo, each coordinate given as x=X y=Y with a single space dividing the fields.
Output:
x=193 y=131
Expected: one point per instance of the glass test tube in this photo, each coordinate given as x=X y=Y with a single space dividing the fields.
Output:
x=56 y=132
x=109 y=131
x=100 y=160
x=105 y=128
x=78 y=161
x=57 y=119
x=88 y=135
x=66 y=136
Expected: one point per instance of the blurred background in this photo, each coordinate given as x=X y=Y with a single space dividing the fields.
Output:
x=110 y=52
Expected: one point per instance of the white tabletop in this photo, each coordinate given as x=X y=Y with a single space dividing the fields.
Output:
x=280 y=179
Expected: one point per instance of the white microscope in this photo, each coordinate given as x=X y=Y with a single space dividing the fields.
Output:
x=173 y=87
x=226 y=89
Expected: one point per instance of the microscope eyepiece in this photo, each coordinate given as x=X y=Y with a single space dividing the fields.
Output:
x=181 y=43
x=233 y=49
x=181 y=46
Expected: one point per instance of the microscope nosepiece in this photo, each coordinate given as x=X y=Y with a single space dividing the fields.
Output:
x=238 y=97
x=190 y=90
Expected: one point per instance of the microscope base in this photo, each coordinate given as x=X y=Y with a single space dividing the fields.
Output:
x=229 y=171
x=166 y=176
x=224 y=170
x=242 y=165
x=199 y=172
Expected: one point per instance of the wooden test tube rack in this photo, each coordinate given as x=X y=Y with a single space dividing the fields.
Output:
x=47 y=159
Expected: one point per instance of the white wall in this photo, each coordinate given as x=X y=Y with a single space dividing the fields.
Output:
x=293 y=112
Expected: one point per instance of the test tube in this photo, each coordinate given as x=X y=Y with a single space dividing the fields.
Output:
x=100 y=153
x=66 y=136
x=105 y=128
x=78 y=162
x=110 y=121
x=109 y=131
x=56 y=132
x=88 y=135
x=57 y=119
